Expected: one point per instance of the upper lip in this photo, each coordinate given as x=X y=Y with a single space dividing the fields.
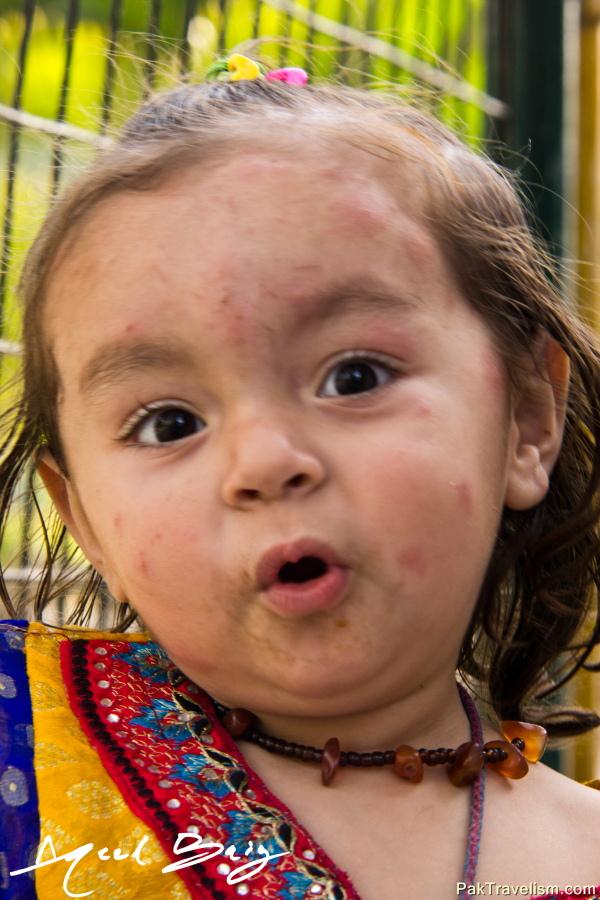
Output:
x=271 y=562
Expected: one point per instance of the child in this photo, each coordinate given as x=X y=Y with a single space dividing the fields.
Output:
x=297 y=381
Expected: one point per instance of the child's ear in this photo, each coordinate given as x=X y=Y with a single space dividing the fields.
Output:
x=66 y=500
x=537 y=424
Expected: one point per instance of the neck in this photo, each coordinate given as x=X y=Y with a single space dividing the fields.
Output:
x=431 y=716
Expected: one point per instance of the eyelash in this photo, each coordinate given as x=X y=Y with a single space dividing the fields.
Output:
x=140 y=417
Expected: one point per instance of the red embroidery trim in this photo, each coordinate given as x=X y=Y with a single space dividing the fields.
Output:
x=173 y=779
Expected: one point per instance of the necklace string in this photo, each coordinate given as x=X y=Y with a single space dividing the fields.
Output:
x=477 y=797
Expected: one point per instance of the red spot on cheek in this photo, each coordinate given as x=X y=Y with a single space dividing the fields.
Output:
x=142 y=564
x=412 y=559
x=157 y=537
x=493 y=375
x=464 y=495
x=117 y=521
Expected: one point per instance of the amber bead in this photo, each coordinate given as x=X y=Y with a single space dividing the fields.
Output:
x=515 y=764
x=466 y=765
x=408 y=764
x=237 y=721
x=534 y=737
x=330 y=760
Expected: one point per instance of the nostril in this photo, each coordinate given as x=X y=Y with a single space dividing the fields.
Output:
x=305 y=569
x=297 y=480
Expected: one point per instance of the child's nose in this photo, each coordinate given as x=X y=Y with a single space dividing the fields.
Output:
x=268 y=463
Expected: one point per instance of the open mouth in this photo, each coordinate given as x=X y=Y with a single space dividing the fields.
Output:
x=307 y=568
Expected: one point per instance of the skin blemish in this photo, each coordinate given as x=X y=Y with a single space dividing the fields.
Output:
x=492 y=375
x=117 y=520
x=367 y=213
x=412 y=559
x=464 y=495
x=341 y=623
x=142 y=564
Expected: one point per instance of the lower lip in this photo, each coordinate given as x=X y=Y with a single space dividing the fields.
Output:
x=296 y=600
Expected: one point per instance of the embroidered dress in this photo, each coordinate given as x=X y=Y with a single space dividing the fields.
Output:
x=109 y=753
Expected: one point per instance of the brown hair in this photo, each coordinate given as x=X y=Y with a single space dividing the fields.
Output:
x=536 y=620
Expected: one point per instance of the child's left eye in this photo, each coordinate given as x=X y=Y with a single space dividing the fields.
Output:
x=357 y=375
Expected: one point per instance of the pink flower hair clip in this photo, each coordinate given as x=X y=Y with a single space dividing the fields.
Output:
x=240 y=68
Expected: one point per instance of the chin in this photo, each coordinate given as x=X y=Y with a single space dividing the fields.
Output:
x=322 y=683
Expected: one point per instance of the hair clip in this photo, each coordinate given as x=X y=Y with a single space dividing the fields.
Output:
x=241 y=68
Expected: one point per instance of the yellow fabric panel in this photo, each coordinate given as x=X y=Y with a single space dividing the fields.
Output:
x=78 y=801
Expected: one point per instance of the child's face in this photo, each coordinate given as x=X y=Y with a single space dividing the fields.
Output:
x=208 y=296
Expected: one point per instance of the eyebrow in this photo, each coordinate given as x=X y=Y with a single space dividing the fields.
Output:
x=366 y=295
x=119 y=358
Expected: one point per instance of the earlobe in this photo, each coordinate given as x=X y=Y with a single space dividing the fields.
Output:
x=537 y=425
x=65 y=499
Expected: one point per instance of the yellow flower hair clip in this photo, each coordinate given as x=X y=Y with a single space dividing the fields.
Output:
x=241 y=68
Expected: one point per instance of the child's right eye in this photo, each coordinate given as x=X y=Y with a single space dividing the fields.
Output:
x=163 y=426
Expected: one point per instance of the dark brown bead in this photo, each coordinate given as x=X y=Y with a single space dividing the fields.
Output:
x=515 y=764
x=379 y=758
x=353 y=759
x=330 y=760
x=467 y=764
x=237 y=721
x=408 y=764
x=366 y=759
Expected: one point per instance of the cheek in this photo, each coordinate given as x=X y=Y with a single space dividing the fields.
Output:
x=421 y=513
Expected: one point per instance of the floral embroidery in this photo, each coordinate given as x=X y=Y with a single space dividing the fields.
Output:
x=163 y=718
x=149 y=659
x=193 y=767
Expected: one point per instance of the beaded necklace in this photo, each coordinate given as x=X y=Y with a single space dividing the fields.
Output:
x=466 y=765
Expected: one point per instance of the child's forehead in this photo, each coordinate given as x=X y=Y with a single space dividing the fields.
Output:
x=257 y=224
x=250 y=190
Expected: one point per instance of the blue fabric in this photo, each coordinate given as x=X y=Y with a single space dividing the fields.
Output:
x=19 y=819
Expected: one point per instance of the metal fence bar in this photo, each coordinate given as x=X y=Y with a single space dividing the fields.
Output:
x=13 y=155
x=70 y=29
x=184 y=47
x=10 y=348
x=49 y=126
x=109 y=72
x=222 y=24
x=152 y=54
